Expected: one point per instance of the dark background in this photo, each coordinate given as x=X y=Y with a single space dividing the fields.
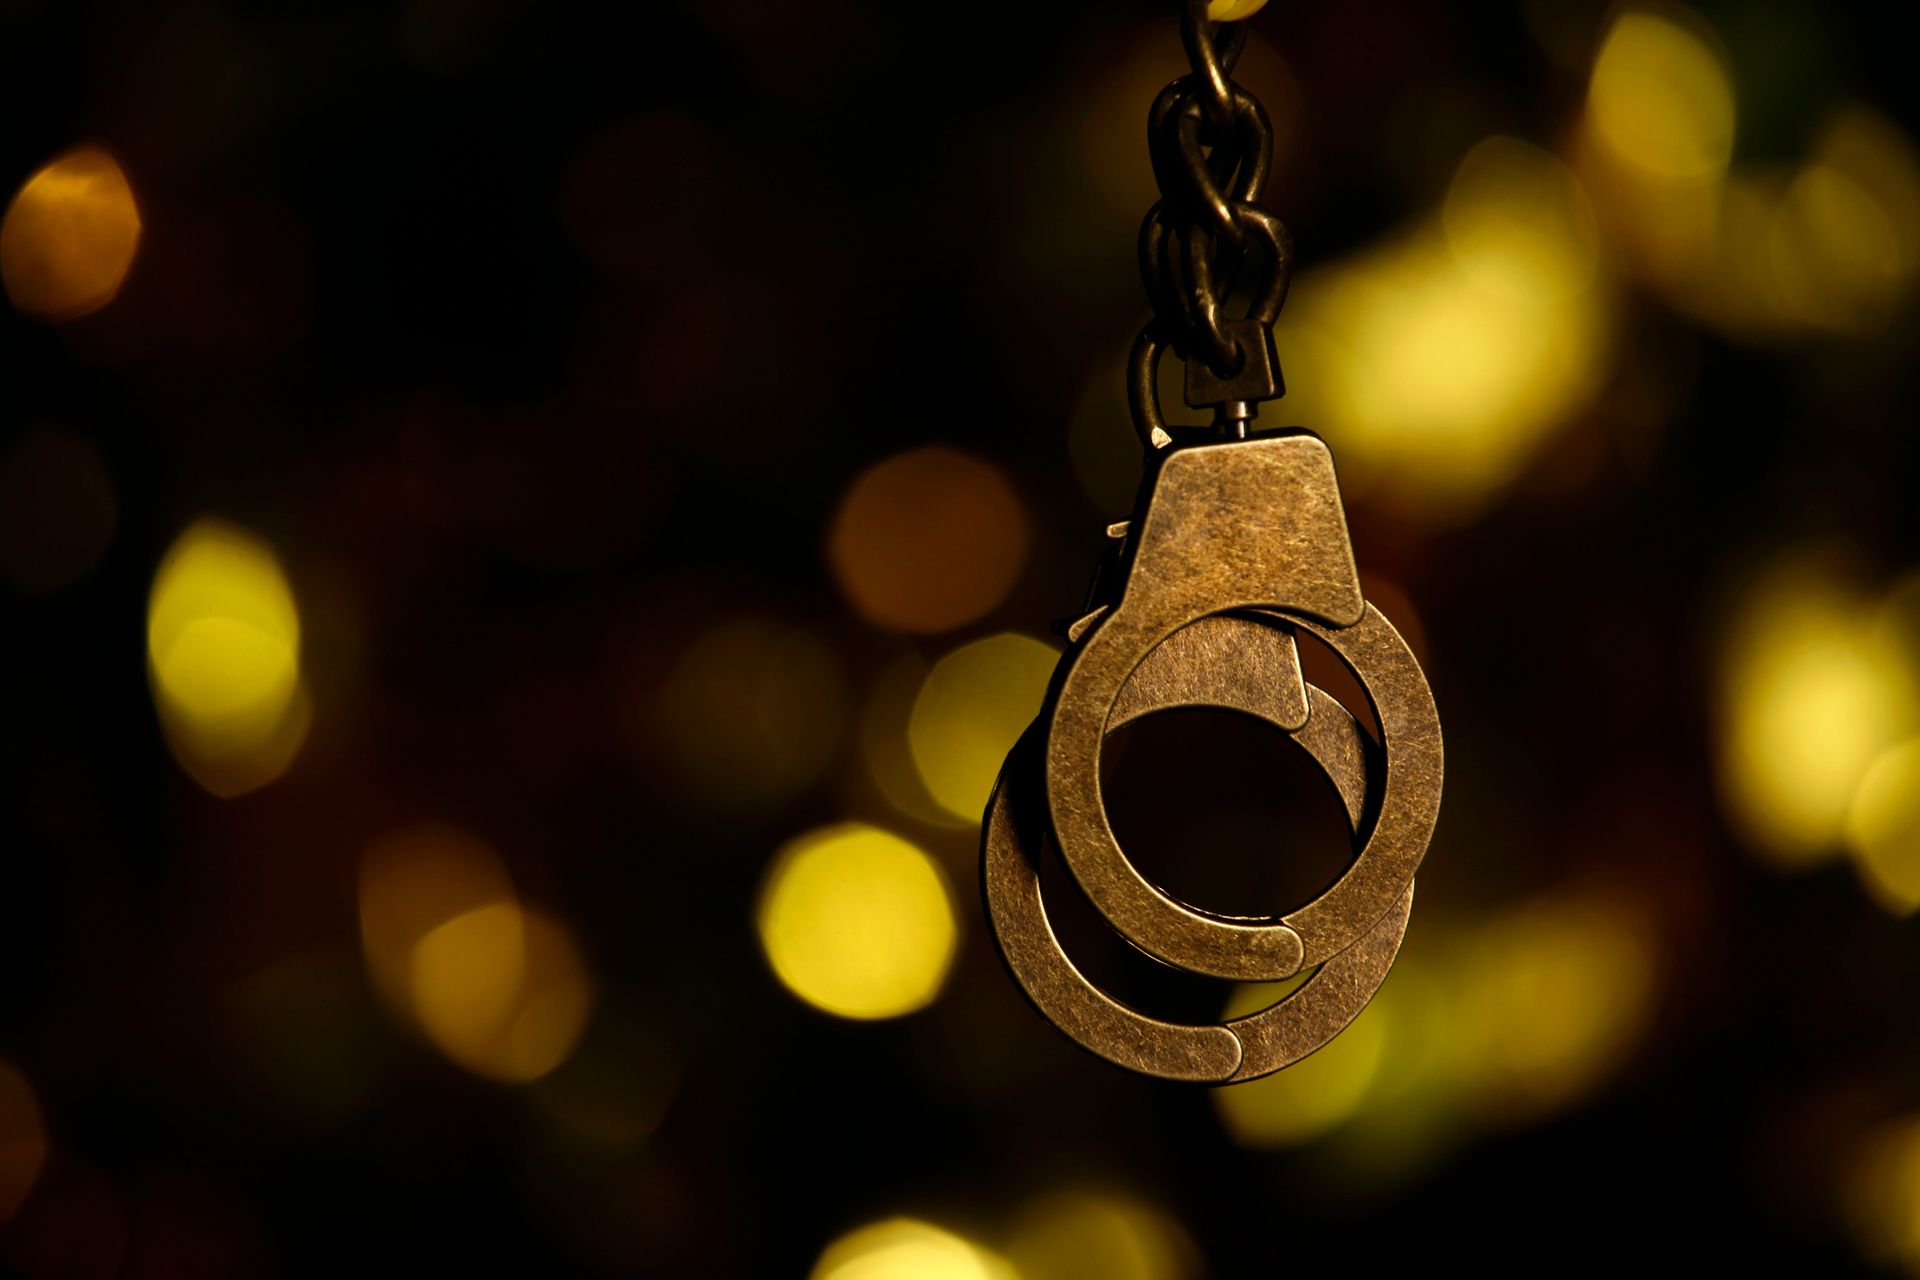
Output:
x=634 y=386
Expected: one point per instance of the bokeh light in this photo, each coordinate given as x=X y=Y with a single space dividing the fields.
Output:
x=1810 y=694
x=1759 y=252
x=1418 y=1107
x=307 y=1038
x=613 y=1090
x=858 y=922
x=57 y=511
x=907 y=1249
x=413 y=880
x=502 y=991
x=754 y=710
x=1100 y=1231
x=1440 y=362
x=885 y=720
x=23 y=1140
x=1660 y=98
x=928 y=540
x=1844 y=242
x=499 y=988
x=1710 y=249
x=1526 y=1014
x=70 y=236
x=974 y=705
x=223 y=658
x=1313 y=1096
x=1552 y=998
x=1519 y=224
x=1883 y=827
x=1655 y=143
x=1880 y=1193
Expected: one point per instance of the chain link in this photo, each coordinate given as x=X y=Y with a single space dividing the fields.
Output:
x=1211 y=146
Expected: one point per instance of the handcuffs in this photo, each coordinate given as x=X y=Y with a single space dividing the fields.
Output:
x=1238 y=547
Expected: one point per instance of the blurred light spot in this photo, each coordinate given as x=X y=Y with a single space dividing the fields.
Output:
x=223 y=650
x=56 y=511
x=907 y=1249
x=502 y=991
x=1092 y=1231
x=23 y=1140
x=1566 y=33
x=928 y=540
x=974 y=706
x=69 y=236
x=1233 y=10
x=413 y=880
x=1809 y=698
x=1519 y=224
x=754 y=710
x=1525 y=1015
x=1845 y=243
x=884 y=723
x=858 y=922
x=1883 y=827
x=1550 y=999
x=1881 y=1194
x=1415 y=1110
x=1710 y=249
x=1440 y=362
x=307 y=1038
x=1661 y=100
x=1313 y=1097
x=615 y=1088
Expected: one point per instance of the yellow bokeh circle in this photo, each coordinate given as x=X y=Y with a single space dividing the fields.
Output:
x=499 y=988
x=1660 y=100
x=223 y=658
x=1810 y=696
x=1883 y=827
x=502 y=991
x=1314 y=1096
x=907 y=1249
x=1100 y=1231
x=858 y=922
x=970 y=710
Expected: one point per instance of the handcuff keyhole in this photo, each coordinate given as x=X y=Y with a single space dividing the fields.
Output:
x=1224 y=812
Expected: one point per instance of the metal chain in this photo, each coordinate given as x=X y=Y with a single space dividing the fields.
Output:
x=1212 y=147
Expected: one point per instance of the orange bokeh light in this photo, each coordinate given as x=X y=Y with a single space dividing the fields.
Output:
x=928 y=540
x=69 y=236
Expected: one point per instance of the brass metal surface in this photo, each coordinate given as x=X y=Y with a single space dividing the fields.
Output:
x=1408 y=794
x=1251 y=667
x=1253 y=525
x=1184 y=671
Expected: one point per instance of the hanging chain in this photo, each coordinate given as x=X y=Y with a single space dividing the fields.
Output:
x=1212 y=148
